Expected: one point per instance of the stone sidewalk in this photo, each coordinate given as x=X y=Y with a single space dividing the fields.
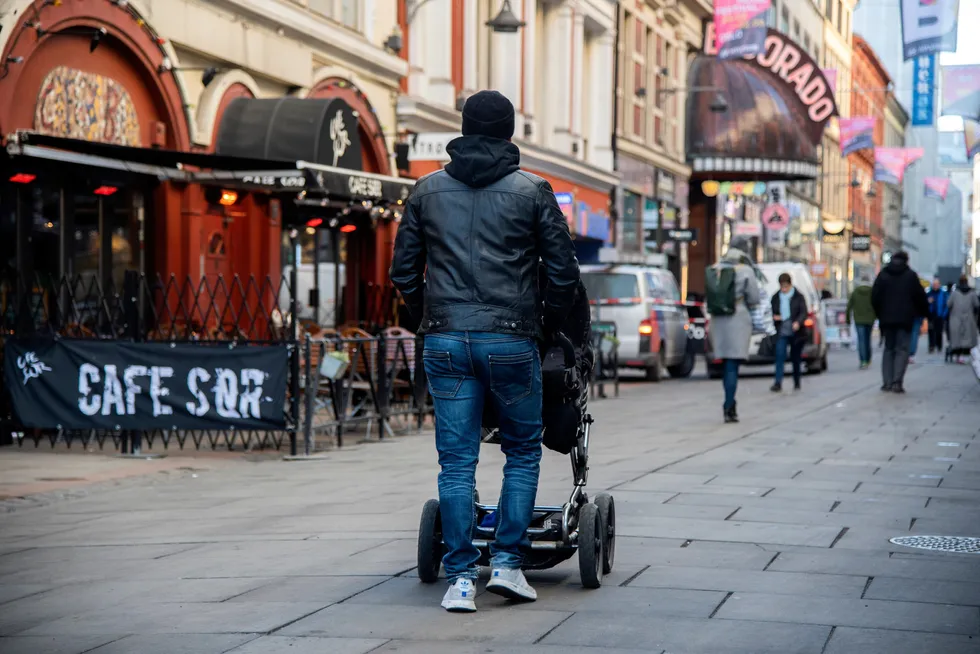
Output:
x=770 y=536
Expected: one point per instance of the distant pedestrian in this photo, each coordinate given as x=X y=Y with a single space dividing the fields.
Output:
x=964 y=307
x=898 y=299
x=916 y=336
x=789 y=311
x=733 y=292
x=938 y=311
x=860 y=311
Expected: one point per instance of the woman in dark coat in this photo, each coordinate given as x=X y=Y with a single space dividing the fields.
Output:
x=789 y=311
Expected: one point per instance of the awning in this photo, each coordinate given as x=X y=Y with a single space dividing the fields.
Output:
x=297 y=177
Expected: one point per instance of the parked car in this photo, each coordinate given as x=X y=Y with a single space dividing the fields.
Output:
x=815 y=349
x=652 y=322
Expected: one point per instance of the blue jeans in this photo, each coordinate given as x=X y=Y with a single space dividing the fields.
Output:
x=796 y=356
x=864 y=342
x=730 y=380
x=465 y=370
x=916 y=333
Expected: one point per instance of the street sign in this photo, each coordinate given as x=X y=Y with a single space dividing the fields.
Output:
x=430 y=146
x=742 y=228
x=682 y=235
x=860 y=243
x=775 y=217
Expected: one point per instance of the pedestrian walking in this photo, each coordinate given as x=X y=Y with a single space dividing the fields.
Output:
x=860 y=311
x=898 y=299
x=916 y=336
x=466 y=261
x=732 y=292
x=938 y=310
x=964 y=308
x=789 y=311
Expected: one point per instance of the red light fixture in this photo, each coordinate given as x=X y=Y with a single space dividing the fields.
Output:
x=105 y=190
x=347 y=229
x=23 y=178
x=314 y=222
x=228 y=198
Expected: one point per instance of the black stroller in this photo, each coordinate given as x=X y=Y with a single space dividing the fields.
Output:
x=556 y=533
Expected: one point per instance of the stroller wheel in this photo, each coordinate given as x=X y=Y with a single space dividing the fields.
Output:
x=591 y=532
x=430 y=543
x=607 y=510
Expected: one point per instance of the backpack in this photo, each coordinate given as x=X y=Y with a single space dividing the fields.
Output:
x=720 y=290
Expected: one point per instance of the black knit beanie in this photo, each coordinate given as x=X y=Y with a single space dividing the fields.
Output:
x=488 y=113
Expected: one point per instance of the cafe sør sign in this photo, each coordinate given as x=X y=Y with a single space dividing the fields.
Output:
x=116 y=385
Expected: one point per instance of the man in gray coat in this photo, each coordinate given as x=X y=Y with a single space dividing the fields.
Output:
x=731 y=335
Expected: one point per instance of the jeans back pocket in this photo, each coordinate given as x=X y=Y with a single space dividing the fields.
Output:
x=511 y=376
x=443 y=380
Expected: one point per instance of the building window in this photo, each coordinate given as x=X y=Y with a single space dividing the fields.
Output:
x=346 y=12
x=641 y=39
x=840 y=10
x=784 y=21
x=829 y=10
x=847 y=25
x=796 y=31
x=806 y=42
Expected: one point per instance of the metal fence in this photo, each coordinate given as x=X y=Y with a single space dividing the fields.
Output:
x=342 y=382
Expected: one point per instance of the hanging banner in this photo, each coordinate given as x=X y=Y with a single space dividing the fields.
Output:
x=936 y=187
x=830 y=74
x=115 y=385
x=740 y=27
x=856 y=134
x=924 y=91
x=928 y=27
x=971 y=132
x=890 y=163
x=961 y=91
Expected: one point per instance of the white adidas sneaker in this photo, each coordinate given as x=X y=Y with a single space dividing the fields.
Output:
x=511 y=584
x=461 y=597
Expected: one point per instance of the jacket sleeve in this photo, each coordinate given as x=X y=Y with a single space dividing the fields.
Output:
x=558 y=256
x=876 y=292
x=408 y=262
x=921 y=301
x=752 y=292
x=850 y=308
x=801 y=308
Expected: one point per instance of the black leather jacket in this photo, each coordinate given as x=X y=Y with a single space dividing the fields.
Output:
x=470 y=241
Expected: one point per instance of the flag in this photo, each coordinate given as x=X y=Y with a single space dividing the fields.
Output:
x=856 y=134
x=890 y=163
x=928 y=26
x=924 y=91
x=936 y=187
x=971 y=131
x=740 y=27
x=961 y=91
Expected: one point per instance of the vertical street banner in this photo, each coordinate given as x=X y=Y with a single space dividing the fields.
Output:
x=971 y=134
x=890 y=163
x=116 y=385
x=740 y=27
x=924 y=91
x=936 y=188
x=856 y=134
x=928 y=26
x=961 y=91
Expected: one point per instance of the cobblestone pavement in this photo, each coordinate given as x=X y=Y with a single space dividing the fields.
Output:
x=770 y=536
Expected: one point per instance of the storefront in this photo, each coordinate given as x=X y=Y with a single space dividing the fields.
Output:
x=768 y=129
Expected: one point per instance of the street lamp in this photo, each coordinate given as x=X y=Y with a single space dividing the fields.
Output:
x=505 y=22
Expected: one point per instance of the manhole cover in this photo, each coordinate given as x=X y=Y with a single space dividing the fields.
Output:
x=961 y=544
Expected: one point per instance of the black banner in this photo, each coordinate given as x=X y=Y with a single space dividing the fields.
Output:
x=688 y=235
x=860 y=243
x=113 y=385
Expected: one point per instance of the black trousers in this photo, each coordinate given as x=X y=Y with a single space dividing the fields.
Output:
x=895 y=360
x=936 y=326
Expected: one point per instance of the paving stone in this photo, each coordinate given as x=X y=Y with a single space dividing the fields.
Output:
x=798 y=482
x=689 y=636
x=174 y=644
x=840 y=611
x=825 y=585
x=835 y=519
x=428 y=622
x=844 y=562
x=848 y=640
x=52 y=644
x=308 y=645
x=9 y=593
x=434 y=647
x=697 y=499
x=708 y=554
x=317 y=589
x=924 y=590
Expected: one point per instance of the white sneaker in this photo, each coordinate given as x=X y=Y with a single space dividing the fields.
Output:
x=461 y=596
x=511 y=584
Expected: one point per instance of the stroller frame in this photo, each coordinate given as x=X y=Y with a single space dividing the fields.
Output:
x=556 y=533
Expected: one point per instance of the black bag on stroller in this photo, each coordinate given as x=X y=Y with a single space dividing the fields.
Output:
x=566 y=366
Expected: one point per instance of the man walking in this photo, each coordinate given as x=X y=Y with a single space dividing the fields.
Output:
x=789 y=310
x=862 y=314
x=898 y=299
x=466 y=262
x=938 y=311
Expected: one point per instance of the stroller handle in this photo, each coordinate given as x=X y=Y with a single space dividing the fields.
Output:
x=567 y=348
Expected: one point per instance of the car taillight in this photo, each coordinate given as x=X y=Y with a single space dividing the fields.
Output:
x=810 y=322
x=646 y=327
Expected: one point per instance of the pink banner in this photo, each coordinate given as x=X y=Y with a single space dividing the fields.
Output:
x=961 y=91
x=740 y=27
x=971 y=132
x=831 y=76
x=936 y=187
x=890 y=163
x=856 y=134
